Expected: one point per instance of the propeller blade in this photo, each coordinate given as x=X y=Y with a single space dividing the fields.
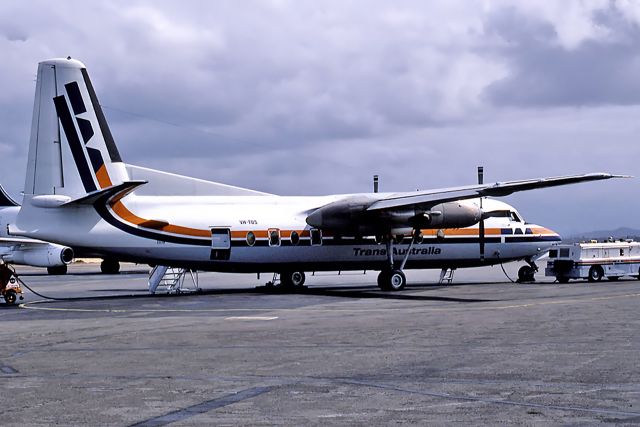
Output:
x=481 y=239
x=481 y=224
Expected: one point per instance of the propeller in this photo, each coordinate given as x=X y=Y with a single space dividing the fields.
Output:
x=481 y=223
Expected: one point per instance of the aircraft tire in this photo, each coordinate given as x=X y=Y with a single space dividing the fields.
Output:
x=109 y=266
x=292 y=279
x=562 y=279
x=595 y=273
x=613 y=278
x=57 y=270
x=383 y=281
x=393 y=280
x=526 y=274
x=10 y=297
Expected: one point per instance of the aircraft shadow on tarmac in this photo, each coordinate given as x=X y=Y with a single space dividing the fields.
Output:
x=336 y=291
x=84 y=273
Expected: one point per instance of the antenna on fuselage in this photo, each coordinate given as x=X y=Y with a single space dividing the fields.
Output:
x=375 y=183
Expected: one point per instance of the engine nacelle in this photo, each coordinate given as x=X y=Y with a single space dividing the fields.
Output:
x=351 y=215
x=449 y=215
x=42 y=255
x=344 y=215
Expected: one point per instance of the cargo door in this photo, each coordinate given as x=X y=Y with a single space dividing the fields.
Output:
x=220 y=243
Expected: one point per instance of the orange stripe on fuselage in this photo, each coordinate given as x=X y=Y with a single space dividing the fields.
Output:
x=462 y=231
x=121 y=210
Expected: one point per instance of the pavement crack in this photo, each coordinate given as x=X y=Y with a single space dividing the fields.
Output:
x=203 y=407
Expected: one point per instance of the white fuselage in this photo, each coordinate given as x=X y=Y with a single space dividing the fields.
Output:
x=176 y=230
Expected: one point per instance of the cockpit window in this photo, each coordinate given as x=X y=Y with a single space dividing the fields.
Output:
x=514 y=216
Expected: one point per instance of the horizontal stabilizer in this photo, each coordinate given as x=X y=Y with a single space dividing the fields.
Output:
x=108 y=193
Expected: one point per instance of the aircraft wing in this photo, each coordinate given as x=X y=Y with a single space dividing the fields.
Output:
x=431 y=198
x=426 y=209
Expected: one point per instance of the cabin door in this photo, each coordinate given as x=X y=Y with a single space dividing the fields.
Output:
x=220 y=244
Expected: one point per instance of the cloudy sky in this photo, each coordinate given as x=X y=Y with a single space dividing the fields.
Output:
x=314 y=97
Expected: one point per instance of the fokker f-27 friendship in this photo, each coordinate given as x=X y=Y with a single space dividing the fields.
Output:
x=78 y=192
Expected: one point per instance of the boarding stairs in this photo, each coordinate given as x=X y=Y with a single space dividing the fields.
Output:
x=172 y=280
x=446 y=276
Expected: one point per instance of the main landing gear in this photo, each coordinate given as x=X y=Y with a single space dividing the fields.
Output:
x=287 y=281
x=110 y=266
x=391 y=277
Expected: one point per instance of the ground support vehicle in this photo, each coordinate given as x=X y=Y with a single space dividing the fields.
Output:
x=594 y=260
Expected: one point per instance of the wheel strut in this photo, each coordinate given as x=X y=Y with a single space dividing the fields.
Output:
x=392 y=278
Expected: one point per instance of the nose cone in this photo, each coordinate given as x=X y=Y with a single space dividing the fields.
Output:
x=545 y=236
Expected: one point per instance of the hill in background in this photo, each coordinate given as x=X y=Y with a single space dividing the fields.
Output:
x=600 y=235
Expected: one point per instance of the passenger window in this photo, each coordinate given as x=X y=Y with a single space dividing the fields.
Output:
x=251 y=238
x=274 y=237
x=295 y=238
x=316 y=237
x=621 y=252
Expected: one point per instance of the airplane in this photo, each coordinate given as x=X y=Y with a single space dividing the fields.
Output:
x=26 y=251
x=79 y=192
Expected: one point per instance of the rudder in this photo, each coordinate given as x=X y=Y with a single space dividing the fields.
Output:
x=71 y=150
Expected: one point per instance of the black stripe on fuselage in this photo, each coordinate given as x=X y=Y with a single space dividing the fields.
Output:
x=102 y=122
x=519 y=239
x=75 y=145
x=242 y=243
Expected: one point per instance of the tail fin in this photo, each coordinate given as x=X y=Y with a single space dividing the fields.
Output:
x=71 y=150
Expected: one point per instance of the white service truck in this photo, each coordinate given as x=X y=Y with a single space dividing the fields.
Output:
x=594 y=260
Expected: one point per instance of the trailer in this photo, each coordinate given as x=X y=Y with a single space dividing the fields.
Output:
x=594 y=260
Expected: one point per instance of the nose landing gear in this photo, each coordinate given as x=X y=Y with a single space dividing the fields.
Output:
x=526 y=273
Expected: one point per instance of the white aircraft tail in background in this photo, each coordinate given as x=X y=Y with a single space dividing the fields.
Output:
x=25 y=251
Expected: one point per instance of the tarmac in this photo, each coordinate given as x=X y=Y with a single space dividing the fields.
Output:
x=479 y=351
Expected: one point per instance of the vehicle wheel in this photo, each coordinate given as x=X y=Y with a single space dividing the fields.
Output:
x=292 y=280
x=383 y=281
x=526 y=274
x=10 y=297
x=562 y=279
x=595 y=273
x=110 y=266
x=394 y=280
x=613 y=278
x=57 y=270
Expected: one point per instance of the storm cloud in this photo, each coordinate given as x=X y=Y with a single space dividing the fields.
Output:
x=303 y=97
